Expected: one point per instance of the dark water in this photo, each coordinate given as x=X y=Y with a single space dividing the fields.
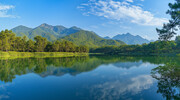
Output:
x=90 y=78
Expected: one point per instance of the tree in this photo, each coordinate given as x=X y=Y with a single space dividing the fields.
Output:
x=17 y=44
x=23 y=43
x=56 y=46
x=49 y=47
x=40 y=44
x=169 y=29
x=4 y=36
x=177 y=40
x=83 y=48
x=30 y=46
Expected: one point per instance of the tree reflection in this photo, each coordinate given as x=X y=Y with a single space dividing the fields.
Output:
x=9 y=68
x=168 y=77
x=44 y=67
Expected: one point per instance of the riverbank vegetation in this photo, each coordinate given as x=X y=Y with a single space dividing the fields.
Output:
x=12 y=46
x=153 y=48
x=9 y=42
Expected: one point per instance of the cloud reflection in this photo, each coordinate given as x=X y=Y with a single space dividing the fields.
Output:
x=120 y=89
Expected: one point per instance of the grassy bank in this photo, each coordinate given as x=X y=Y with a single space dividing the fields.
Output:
x=137 y=54
x=12 y=54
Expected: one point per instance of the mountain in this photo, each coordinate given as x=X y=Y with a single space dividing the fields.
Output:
x=90 y=39
x=21 y=30
x=130 y=39
x=74 y=34
x=107 y=37
x=48 y=31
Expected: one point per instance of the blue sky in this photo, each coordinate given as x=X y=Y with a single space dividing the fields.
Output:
x=105 y=17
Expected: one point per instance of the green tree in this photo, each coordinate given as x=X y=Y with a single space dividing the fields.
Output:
x=169 y=29
x=5 y=40
x=30 y=46
x=56 y=46
x=49 y=47
x=23 y=43
x=40 y=44
x=177 y=40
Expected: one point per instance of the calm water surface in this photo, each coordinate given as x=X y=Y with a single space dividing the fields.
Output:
x=90 y=78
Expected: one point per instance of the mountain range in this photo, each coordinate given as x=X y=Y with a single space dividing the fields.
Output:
x=77 y=35
x=90 y=39
x=129 y=39
x=74 y=34
x=50 y=32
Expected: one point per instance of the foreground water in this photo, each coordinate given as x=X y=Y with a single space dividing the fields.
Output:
x=90 y=78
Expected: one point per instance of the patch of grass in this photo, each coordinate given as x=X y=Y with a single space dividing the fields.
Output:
x=13 y=54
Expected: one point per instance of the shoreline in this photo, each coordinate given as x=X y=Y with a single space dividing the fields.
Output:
x=13 y=54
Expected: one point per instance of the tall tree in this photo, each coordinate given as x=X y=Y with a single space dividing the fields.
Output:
x=30 y=46
x=23 y=43
x=170 y=29
x=56 y=46
x=4 y=36
x=177 y=40
x=40 y=44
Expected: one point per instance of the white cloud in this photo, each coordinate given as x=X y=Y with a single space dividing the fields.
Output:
x=117 y=10
x=4 y=10
x=129 y=0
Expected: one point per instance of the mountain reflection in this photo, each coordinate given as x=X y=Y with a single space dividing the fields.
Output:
x=9 y=68
x=114 y=78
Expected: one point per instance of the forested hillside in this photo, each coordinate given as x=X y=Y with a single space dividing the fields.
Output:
x=50 y=32
x=153 y=48
x=90 y=39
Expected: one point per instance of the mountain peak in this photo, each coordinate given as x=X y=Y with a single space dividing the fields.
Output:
x=128 y=34
x=75 y=27
x=44 y=24
x=130 y=39
x=21 y=26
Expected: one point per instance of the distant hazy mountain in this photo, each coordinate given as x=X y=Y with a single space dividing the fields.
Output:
x=45 y=30
x=130 y=39
x=90 y=39
x=107 y=37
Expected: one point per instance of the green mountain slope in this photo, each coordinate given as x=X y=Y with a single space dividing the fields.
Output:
x=90 y=39
x=44 y=32
x=48 y=31
x=21 y=30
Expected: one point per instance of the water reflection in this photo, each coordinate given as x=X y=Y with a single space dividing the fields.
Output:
x=121 y=89
x=168 y=77
x=9 y=68
x=92 y=78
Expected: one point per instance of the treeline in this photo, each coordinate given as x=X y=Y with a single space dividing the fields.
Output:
x=9 y=42
x=157 y=47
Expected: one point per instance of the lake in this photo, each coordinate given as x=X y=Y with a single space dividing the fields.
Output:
x=90 y=78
